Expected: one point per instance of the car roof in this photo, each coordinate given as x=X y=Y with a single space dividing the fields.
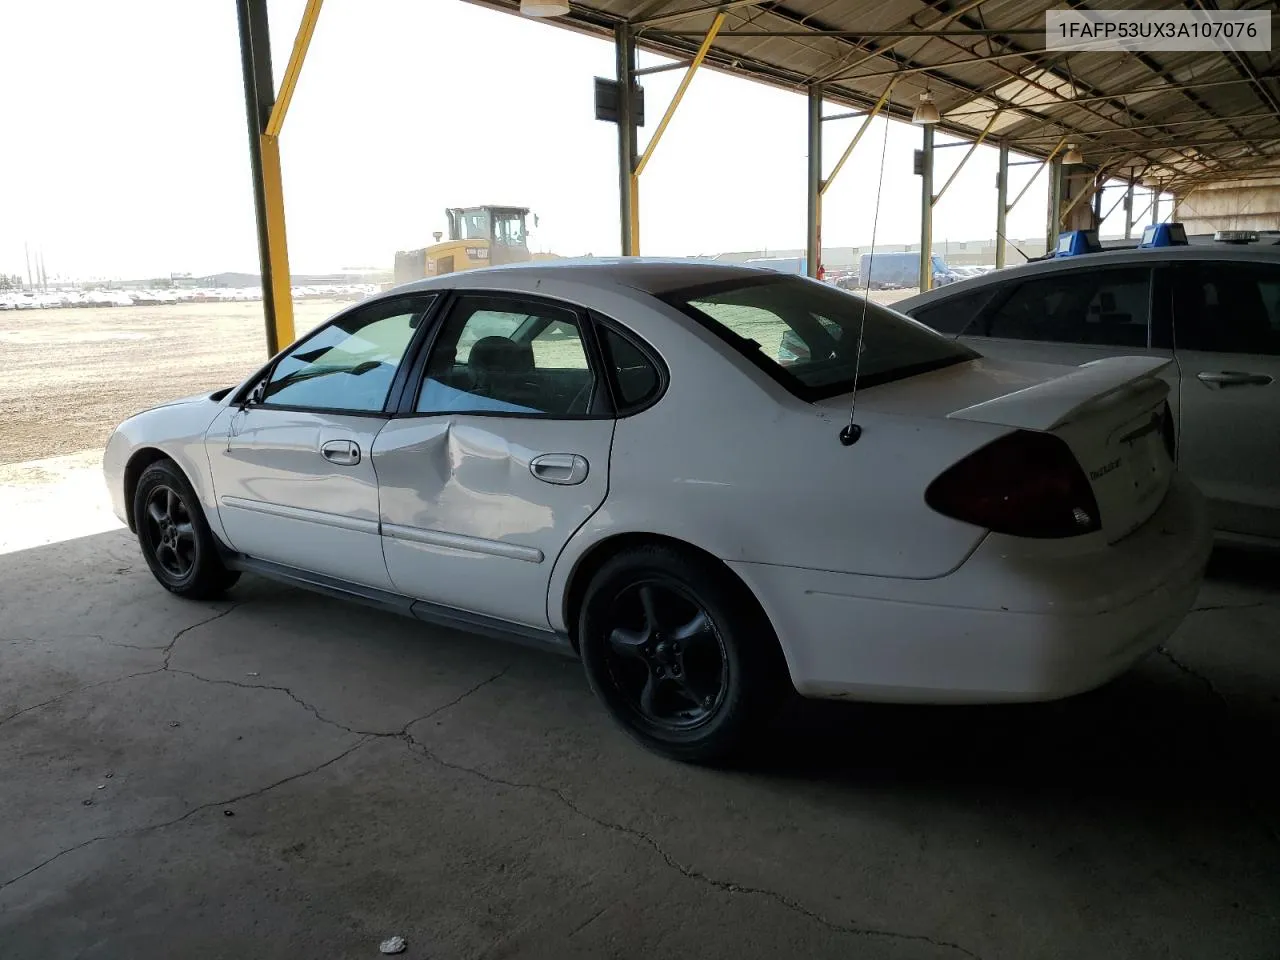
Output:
x=1235 y=253
x=647 y=274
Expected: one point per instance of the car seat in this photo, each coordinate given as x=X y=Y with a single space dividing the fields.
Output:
x=504 y=370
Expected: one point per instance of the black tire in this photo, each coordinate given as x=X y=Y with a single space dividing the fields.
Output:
x=695 y=695
x=175 y=537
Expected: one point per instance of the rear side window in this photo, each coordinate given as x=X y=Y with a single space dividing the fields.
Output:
x=1229 y=308
x=1100 y=307
x=952 y=314
x=635 y=376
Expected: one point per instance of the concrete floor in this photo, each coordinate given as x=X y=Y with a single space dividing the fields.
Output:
x=281 y=775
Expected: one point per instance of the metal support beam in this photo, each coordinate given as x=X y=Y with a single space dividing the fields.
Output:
x=626 y=77
x=926 y=210
x=628 y=201
x=844 y=116
x=663 y=68
x=813 y=235
x=862 y=128
x=965 y=159
x=1155 y=206
x=1055 y=202
x=1002 y=208
x=290 y=80
x=264 y=156
x=1043 y=163
x=1128 y=210
x=680 y=92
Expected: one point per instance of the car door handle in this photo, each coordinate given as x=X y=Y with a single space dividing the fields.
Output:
x=562 y=468
x=1234 y=378
x=345 y=453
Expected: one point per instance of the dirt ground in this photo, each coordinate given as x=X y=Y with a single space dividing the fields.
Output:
x=71 y=375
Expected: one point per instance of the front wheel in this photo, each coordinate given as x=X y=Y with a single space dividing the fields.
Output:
x=175 y=537
x=679 y=653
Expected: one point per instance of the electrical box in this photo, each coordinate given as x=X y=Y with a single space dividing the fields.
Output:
x=607 y=101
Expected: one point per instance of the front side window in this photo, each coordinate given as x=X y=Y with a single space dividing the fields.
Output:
x=1085 y=306
x=503 y=355
x=350 y=363
x=1229 y=308
x=806 y=334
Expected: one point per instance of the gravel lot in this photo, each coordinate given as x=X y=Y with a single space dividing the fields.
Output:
x=72 y=375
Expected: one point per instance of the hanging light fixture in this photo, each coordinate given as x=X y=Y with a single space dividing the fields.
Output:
x=925 y=111
x=534 y=8
x=1073 y=154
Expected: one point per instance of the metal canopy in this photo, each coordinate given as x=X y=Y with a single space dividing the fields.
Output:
x=1180 y=118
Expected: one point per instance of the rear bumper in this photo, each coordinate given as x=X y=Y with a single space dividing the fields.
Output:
x=1019 y=620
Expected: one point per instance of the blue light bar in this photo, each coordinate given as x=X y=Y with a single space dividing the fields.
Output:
x=1164 y=235
x=1073 y=243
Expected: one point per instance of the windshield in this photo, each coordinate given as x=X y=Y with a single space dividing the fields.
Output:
x=804 y=334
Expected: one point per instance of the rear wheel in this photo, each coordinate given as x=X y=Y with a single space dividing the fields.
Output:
x=175 y=537
x=679 y=653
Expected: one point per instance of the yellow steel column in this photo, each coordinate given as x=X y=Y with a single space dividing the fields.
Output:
x=266 y=113
x=634 y=226
x=277 y=245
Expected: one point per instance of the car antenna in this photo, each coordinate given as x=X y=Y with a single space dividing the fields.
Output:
x=1021 y=253
x=851 y=431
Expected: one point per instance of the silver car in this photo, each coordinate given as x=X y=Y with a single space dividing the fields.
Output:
x=1214 y=309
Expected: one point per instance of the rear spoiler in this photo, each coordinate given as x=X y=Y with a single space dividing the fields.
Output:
x=1046 y=406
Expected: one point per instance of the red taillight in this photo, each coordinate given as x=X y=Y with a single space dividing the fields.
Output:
x=1025 y=484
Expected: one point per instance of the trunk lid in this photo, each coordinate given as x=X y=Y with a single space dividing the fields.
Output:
x=1111 y=414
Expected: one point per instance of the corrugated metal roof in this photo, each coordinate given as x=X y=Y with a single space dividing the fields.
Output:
x=1181 y=117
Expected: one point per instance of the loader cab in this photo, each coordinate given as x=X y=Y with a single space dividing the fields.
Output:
x=480 y=236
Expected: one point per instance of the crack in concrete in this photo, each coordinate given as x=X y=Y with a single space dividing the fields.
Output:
x=75 y=690
x=315 y=712
x=168 y=651
x=1209 y=607
x=168 y=647
x=1263 y=820
x=684 y=870
x=365 y=738
x=1194 y=674
x=136 y=831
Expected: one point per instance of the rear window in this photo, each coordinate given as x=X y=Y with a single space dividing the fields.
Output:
x=804 y=334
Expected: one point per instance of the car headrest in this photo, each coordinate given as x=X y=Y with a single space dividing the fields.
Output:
x=500 y=355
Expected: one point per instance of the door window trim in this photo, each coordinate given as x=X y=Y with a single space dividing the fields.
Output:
x=601 y=403
x=429 y=301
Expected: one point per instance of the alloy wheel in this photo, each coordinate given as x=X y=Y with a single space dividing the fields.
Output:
x=169 y=531
x=665 y=657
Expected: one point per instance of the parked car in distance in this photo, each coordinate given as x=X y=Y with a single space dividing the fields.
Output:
x=1213 y=310
x=896 y=270
x=607 y=457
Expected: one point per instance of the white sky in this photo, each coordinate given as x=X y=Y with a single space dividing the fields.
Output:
x=125 y=143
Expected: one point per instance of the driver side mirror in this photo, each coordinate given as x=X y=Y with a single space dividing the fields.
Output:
x=256 y=395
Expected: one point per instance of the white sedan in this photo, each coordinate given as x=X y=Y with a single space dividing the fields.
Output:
x=609 y=457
